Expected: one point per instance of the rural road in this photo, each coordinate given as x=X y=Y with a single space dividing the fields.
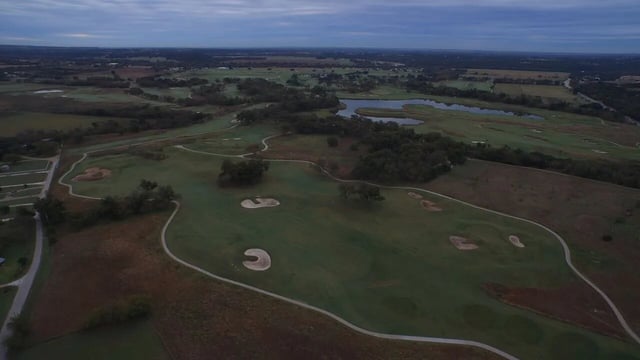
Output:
x=463 y=342
x=24 y=283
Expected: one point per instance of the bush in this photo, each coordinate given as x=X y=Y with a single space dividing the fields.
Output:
x=21 y=328
x=332 y=141
x=135 y=307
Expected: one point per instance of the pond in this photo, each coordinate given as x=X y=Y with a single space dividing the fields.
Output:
x=352 y=105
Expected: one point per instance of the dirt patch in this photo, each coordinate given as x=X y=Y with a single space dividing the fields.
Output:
x=93 y=174
x=515 y=240
x=262 y=260
x=572 y=303
x=430 y=206
x=415 y=196
x=462 y=243
x=259 y=203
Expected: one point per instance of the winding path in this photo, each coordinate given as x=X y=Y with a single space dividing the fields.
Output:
x=436 y=340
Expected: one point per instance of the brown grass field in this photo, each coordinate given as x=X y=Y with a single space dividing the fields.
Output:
x=517 y=74
x=580 y=210
x=196 y=317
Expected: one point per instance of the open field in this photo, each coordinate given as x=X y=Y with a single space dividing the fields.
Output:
x=136 y=340
x=559 y=134
x=363 y=262
x=517 y=74
x=13 y=123
x=195 y=316
x=555 y=92
x=581 y=210
x=6 y=298
x=468 y=85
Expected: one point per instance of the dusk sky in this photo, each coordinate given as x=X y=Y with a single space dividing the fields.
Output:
x=603 y=26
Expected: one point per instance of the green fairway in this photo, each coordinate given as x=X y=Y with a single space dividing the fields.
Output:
x=131 y=341
x=387 y=267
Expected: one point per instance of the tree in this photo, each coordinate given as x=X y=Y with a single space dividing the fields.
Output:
x=147 y=185
x=52 y=210
x=242 y=173
x=364 y=192
x=332 y=141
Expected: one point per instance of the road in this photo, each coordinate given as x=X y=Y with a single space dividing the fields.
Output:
x=25 y=283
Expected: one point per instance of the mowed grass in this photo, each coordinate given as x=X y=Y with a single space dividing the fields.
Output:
x=137 y=340
x=554 y=92
x=237 y=141
x=13 y=123
x=387 y=267
x=28 y=165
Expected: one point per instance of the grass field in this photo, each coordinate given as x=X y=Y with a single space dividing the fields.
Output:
x=136 y=340
x=237 y=141
x=6 y=299
x=468 y=85
x=178 y=92
x=555 y=92
x=14 y=122
x=518 y=74
x=21 y=231
x=388 y=267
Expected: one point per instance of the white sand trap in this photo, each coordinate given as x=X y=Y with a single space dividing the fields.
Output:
x=262 y=262
x=599 y=151
x=462 y=243
x=537 y=131
x=259 y=203
x=516 y=241
x=48 y=91
x=430 y=205
x=414 y=195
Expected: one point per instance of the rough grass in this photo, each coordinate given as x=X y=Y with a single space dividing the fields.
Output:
x=518 y=74
x=388 y=267
x=28 y=165
x=555 y=92
x=468 y=85
x=6 y=299
x=136 y=340
x=22 y=247
x=13 y=123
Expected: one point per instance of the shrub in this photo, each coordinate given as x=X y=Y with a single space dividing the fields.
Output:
x=332 y=141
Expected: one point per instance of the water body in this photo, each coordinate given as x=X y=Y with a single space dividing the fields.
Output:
x=353 y=105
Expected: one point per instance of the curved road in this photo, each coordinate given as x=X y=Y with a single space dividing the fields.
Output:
x=564 y=245
x=24 y=283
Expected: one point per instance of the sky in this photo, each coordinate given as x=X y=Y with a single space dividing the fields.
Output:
x=593 y=26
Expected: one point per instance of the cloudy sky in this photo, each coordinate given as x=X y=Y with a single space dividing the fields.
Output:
x=609 y=26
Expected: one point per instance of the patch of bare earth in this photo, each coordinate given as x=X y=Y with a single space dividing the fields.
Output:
x=580 y=210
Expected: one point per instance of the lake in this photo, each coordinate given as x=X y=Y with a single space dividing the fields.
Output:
x=352 y=105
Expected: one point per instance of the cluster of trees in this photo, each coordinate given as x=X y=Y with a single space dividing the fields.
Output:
x=132 y=308
x=165 y=83
x=625 y=99
x=621 y=173
x=420 y=84
x=361 y=191
x=403 y=155
x=242 y=173
x=147 y=197
x=212 y=94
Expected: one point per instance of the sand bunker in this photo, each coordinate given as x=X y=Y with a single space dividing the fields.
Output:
x=414 y=195
x=93 y=174
x=516 y=241
x=599 y=151
x=462 y=243
x=259 y=203
x=262 y=262
x=429 y=205
x=48 y=91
